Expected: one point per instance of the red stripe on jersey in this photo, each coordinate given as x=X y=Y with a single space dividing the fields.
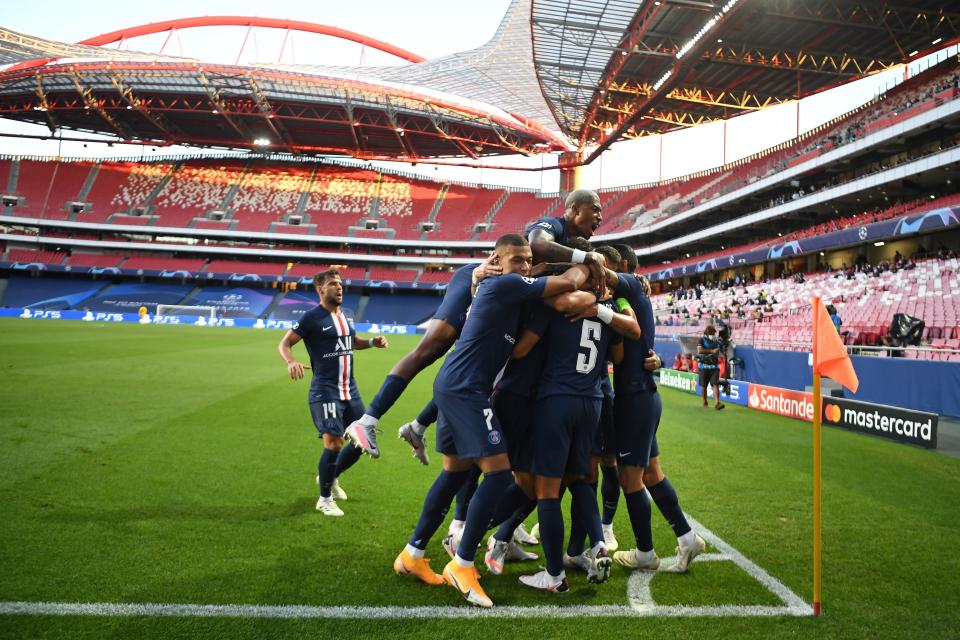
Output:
x=344 y=382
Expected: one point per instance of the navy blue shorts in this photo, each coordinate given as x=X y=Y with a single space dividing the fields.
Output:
x=333 y=416
x=636 y=417
x=515 y=413
x=467 y=426
x=563 y=429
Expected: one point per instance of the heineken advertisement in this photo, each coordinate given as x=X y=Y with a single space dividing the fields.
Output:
x=682 y=380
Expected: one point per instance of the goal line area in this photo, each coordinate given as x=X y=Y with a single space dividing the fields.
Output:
x=639 y=602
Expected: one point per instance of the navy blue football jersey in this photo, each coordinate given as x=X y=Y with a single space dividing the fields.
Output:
x=329 y=341
x=630 y=376
x=523 y=375
x=557 y=227
x=576 y=355
x=457 y=297
x=489 y=334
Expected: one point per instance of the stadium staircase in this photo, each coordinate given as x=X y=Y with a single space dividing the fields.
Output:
x=435 y=209
x=12 y=178
x=361 y=308
x=487 y=219
x=277 y=297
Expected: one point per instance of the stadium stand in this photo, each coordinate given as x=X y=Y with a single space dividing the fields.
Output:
x=48 y=293
x=461 y=209
x=394 y=275
x=164 y=264
x=94 y=260
x=518 y=210
x=237 y=267
x=400 y=308
x=194 y=190
x=35 y=256
x=431 y=277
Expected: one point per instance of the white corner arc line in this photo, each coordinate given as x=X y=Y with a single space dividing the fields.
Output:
x=641 y=597
x=641 y=603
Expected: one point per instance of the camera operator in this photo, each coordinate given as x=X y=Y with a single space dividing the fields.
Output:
x=708 y=353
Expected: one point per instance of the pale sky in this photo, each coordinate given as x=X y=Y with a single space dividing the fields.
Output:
x=430 y=28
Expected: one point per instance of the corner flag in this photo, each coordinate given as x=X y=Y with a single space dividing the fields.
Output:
x=830 y=357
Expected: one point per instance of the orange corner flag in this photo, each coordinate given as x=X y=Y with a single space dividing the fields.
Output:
x=830 y=357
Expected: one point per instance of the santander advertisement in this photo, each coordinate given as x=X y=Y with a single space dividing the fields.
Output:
x=785 y=402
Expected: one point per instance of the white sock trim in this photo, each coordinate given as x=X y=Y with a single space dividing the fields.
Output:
x=461 y=562
x=687 y=539
x=414 y=552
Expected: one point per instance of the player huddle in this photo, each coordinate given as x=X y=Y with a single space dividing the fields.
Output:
x=525 y=400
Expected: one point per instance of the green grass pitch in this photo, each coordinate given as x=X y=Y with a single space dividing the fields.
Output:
x=176 y=465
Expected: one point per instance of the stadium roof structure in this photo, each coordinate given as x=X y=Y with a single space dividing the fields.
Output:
x=463 y=105
x=614 y=69
x=558 y=75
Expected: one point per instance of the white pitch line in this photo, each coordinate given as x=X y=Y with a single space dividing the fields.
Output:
x=641 y=603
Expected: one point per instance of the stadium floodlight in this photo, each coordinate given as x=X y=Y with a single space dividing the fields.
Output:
x=186 y=310
x=261 y=142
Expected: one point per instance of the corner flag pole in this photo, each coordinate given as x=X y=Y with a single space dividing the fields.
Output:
x=817 y=471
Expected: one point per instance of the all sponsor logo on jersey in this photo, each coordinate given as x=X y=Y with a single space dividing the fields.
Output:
x=894 y=423
x=784 y=402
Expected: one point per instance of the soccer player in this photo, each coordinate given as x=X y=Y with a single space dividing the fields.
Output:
x=330 y=339
x=468 y=431
x=564 y=427
x=637 y=410
x=548 y=236
x=442 y=332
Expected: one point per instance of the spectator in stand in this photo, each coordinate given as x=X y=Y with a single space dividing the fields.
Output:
x=708 y=352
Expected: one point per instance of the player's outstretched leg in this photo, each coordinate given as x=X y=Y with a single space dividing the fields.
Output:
x=413 y=432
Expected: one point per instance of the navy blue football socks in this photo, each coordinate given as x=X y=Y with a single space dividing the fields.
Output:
x=465 y=493
x=348 y=456
x=436 y=505
x=327 y=470
x=551 y=533
x=610 y=492
x=482 y=505
x=513 y=498
x=389 y=391
x=584 y=504
x=505 y=532
x=638 y=506
x=578 y=532
x=665 y=497
x=428 y=415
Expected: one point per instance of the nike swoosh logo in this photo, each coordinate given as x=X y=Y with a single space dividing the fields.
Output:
x=328 y=328
x=624 y=455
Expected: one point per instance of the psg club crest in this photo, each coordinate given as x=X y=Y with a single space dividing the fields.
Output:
x=494 y=437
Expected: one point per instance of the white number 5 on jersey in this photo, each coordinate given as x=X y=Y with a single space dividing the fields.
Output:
x=588 y=337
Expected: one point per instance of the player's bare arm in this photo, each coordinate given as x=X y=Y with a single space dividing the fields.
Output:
x=380 y=342
x=570 y=280
x=294 y=368
x=546 y=249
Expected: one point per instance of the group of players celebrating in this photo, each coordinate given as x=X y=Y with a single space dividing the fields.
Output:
x=523 y=400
